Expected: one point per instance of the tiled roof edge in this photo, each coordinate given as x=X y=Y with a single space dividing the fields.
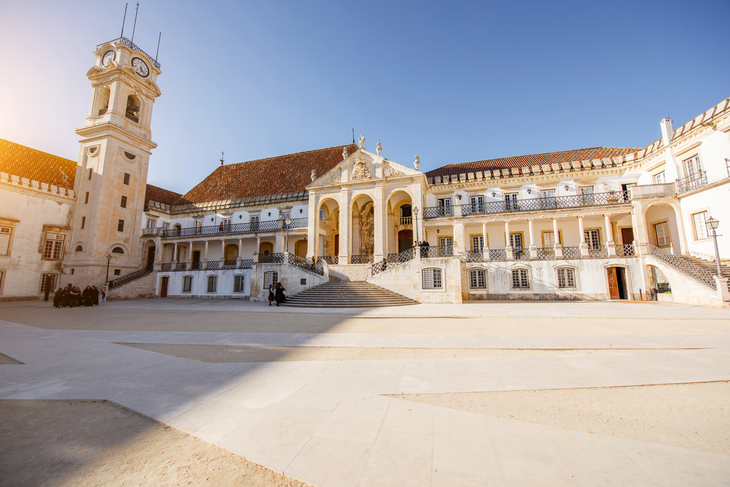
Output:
x=210 y=206
x=33 y=185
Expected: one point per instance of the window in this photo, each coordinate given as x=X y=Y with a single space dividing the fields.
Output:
x=238 y=283
x=593 y=238
x=566 y=278
x=285 y=215
x=548 y=239
x=120 y=226
x=212 y=283
x=586 y=194
x=117 y=250
x=83 y=222
x=151 y=223
x=124 y=202
x=126 y=178
x=132 y=111
x=431 y=278
x=117 y=272
x=548 y=198
x=270 y=279
x=477 y=243
x=165 y=225
x=5 y=233
x=53 y=248
x=510 y=202
x=520 y=279
x=659 y=178
x=255 y=222
x=48 y=281
x=700 y=222
x=91 y=173
x=187 y=284
x=663 y=237
x=79 y=248
x=477 y=204
x=692 y=167
x=446 y=246
x=478 y=279
x=515 y=240
x=86 y=199
x=444 y=207
x=321 y=214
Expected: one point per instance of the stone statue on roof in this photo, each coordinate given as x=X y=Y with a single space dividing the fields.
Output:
x=362 y=141
x=378 y=148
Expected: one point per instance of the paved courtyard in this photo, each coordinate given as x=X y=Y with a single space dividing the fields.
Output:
x=586 y=393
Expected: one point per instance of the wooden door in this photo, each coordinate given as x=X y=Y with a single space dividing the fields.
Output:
x=151 y=258
x=196 y=259
x=613 y=284
x=405 y=240
x=163 y=287
x=627 y=235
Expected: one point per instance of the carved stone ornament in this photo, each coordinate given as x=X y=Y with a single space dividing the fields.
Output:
x=378 y=148
x=361 y=171
x=334 y=179
x=417 y=161
x=345 y=153
x=362 y=141
x=313 y=175
x=389 y=172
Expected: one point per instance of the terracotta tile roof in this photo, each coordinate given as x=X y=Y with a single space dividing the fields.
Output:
x=35 y=165
x=264 y=177
x=160 y=195
x=531 y=160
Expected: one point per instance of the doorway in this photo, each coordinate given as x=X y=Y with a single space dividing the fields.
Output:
x=150 y=258
x=405 y=239
x=617 y=283
x=163 y=286
x=196 y=259
x=337 y=244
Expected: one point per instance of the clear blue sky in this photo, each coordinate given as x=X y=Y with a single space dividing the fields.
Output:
x=453 y=81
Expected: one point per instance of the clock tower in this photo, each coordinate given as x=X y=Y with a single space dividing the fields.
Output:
x=111 y=174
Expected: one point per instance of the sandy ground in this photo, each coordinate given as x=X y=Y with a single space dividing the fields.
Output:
x=5 y=360
x=694 y=416
x=99 y=443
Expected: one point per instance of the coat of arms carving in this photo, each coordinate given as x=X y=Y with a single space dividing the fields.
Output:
x=361 y=171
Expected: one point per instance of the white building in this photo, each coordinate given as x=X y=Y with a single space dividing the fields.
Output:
x=599 y=223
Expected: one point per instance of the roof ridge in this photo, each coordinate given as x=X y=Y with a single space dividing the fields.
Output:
x=291 y=154
x=543 y=153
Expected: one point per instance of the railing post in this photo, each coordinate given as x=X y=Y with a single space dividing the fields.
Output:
x=417 y=255
x=722 y=291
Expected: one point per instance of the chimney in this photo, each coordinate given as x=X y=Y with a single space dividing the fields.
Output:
x=667 y=131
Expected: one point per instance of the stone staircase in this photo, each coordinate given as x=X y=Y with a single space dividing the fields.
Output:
x=347 y=295
x=710 y=265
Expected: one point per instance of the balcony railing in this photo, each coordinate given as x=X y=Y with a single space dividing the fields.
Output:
x=151 y=232
x=277 y=258
x=393 y=260
x=406 y=220
x=571 y=253
x=437 y=252
x=361 y=259
x=663 y=190
x=302 y=263
x=132 y=46
x=530 y=204
x=330 y=259
x=598 y=252
x=692 y=182
x=625 y=250
x=234 y=229
x=545 y=253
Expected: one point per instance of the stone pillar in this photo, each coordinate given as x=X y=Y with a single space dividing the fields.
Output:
x=460 y=245
x=240 y=253
x=557 y=246
x=533 y=247
x=205 y=256
x=190 y=252
x=485 y=249
x=380 y=219
x=722 y=292
x=174 y=256
x=609 y=236
x=345 y=222
x=223 y=254
x=312 y=228
x=583 y=244
x=507 y=243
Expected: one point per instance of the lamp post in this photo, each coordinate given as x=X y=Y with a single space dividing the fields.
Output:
x=415 y=223
x=713 y=223
x=108 y=260
x=288 y=222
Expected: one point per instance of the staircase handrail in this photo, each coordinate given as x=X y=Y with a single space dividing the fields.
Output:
x=115 y=283
x=690 y=269
x=393 y=260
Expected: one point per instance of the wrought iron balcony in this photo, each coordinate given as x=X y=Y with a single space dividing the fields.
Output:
x=611 y=198
x=234 y=229
x=132 y=46
x=692 y=182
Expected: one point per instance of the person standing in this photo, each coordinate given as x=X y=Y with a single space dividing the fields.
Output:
x=272 y=294
x=103 y=294
x=279 y=294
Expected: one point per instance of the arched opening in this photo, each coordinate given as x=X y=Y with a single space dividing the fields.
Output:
x=266 y=248
x=400 y=233
x=661 y=227
x=329 y=228
x=117 y=250
x=231 y=252
x=104 y=95
x=300 y=248
x=659 y=284
x=79 y=248
x=133 y=108
x=363 y=229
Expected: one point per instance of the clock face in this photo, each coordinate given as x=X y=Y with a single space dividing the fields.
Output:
x=140 y=67
x=108 y=57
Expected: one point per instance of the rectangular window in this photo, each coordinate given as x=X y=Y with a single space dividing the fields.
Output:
x=238 y=283
x=5 y=233
x=270 y=279
x=510 y=202
x=446 y=248
x=444 y=207
x=187 y=284
x=321 y=214
x=547 y=198
x=165 y=225
x=48 y=281
x=83 y=222
x=126 y=178
x=151 y=223
x=515 y=240
x=86 y=200
x=593 y=239
x=548 y=239
x=117 y=272
x=478 y=279
x=692 y=167
x=212 y=283
x=477 y=243
x=120 y=226
x=663 y=237
x=477 y=204
x=91 y=173
x=586 y=194
x=566 y=278
x=520 y=279
x=431 y=278
x=285 y=215
x=700 y=222
x=255 y=222
x=659 y=178
x=53 y=248
x=124 y=202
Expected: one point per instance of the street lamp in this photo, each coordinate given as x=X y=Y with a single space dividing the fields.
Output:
x=415 y=222
x=108 y=260
x=288 y=222
x=713 y=223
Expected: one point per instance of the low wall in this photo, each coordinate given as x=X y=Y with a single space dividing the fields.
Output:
x=406 y=280
x=144 y=287
x=351 y=272
x=290 y=276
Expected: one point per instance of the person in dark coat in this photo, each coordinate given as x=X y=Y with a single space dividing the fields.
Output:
x=272 y=294
x=57 y=297
x=279 y=294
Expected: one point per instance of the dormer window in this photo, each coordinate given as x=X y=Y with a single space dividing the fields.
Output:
x=132 y=109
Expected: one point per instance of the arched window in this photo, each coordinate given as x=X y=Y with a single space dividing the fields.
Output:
x=212 y=284
x=79 y=248
x=431 y=278
x=117 y=250
x=239 y=282
x=133 y=107
x=104 y=100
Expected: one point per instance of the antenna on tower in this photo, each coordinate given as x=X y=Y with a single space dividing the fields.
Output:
x=135 y=22
x=223 y=158
x=158 y=46
x=124 y=19
x=353 y=135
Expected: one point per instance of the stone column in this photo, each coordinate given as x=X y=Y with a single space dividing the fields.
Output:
x=485 y=249
x=583 y=244
x=380 y=218
x=240 y=253
x=345 y=222
x=205 y=256
x=533 y=247
x=507 y=244
x=640 y=235
x=610 y=244
x=174 y=257
x=223 y=253
x=312 y=228
x=557 y=246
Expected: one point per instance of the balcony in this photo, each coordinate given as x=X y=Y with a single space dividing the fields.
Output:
x=532 y=204
x=233 y=229
x=692 y=182
x=646 y=191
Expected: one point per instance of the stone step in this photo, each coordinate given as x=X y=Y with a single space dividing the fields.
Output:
x=347 y=295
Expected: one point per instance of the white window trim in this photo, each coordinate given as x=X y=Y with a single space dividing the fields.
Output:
x=486 y=279
x=191 y=284
x=434 y=289
x=529 y=287
x=207 y=284
x=243 y=287
x=576 y=279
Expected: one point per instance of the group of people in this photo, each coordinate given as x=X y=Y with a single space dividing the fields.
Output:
x=73 y=296
x=277 y=294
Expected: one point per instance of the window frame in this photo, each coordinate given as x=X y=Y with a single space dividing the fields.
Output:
x=654 y=226
x=695 y=164
x=476 y=272
x=120 y=225
x=273 y=282
x=44 y=282
x=11 y=234
x=480 y=236
x=588 y=240
x=56 y=249
x=707 y=234
x=567 y=278
x=123 y=202
x=544 y=232
x=524 y=275
x=187 y=284
x=212 y=279
x=435 y=280
x=242 y=288
x=125 y=179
